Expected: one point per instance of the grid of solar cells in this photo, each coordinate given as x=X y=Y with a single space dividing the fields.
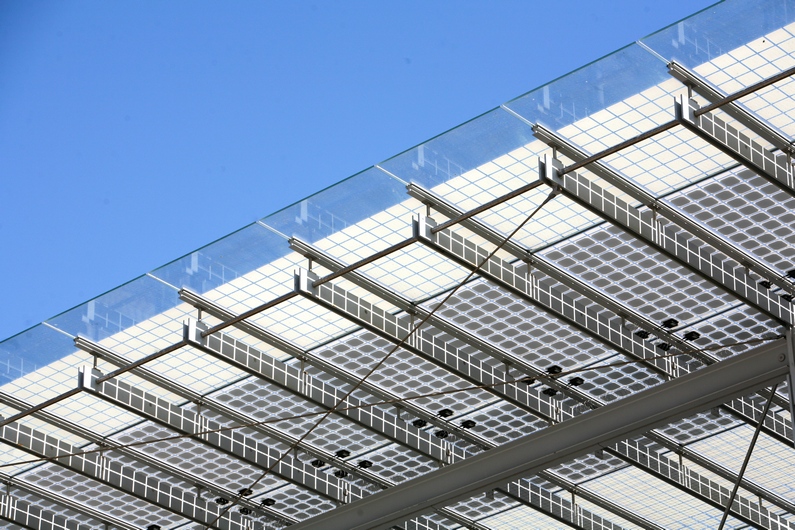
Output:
x=771 y=462
x=105 y=498
x=748 y=211
x=644 y=279
x=749 y=64
x=657 y=501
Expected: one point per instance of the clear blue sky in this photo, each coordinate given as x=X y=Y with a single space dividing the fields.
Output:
x=132 y=133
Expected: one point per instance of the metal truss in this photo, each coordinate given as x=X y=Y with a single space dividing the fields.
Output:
x=585 y=433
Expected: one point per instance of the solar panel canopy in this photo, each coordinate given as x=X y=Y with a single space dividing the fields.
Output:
x=572 y=311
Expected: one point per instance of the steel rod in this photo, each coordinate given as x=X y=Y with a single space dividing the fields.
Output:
x=489 y=205
x=746 y=91
x=747 y=457
x=249 y=313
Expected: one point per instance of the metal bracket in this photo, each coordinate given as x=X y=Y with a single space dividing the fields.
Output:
x=549 y=171
x=304 y=280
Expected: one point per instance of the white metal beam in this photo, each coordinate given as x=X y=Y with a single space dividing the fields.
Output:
x=394 y=328
x=613 y=423
x=708 y=126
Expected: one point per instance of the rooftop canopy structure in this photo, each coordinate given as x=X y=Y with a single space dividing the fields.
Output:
x=572 y=311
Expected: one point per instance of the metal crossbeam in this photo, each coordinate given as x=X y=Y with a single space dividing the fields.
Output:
x=26 y=514
x=640 y=412
x=775 y=167
x=674 y=243
x=739 y=113
x=643 y=196
x=250 y=359
x=121 y=477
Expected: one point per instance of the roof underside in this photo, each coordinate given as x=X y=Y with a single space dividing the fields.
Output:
x=380 y=343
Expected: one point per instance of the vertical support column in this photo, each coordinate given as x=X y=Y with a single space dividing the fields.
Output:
x=791 y=376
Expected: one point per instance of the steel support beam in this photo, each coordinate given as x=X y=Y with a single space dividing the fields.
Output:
x=25 y=514
x=674 y=243
x=775 y=167
x=613 y=423
x=259 y=364
x=121 y=477
x=643 y=196
x=739 y=113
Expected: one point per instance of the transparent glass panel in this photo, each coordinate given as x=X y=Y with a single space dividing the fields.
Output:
x=461 y=149
x=117 y=310
x=225 y=259
x=719 y=29
x=30 y=350
x=592 y=88
x=339 y=206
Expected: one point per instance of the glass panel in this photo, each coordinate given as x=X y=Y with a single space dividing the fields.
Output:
x=118 y=309
x=224 y=260
x=592 y=88
x=30 y=350
x=339 y=206
x=461 y=149
x=719 y=29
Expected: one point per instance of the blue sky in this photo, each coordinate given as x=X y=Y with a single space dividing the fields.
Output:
x=132 y=133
